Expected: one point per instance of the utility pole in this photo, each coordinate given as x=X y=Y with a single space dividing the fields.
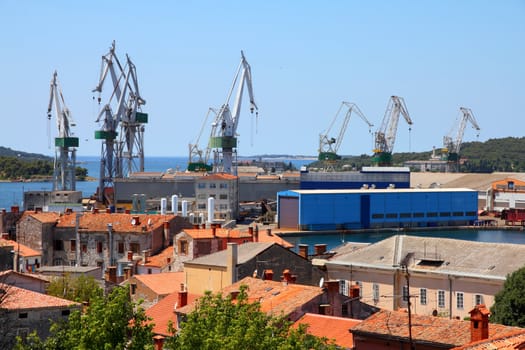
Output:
x=404 y=267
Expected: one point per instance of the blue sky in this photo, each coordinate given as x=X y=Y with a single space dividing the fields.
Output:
x=306 y=58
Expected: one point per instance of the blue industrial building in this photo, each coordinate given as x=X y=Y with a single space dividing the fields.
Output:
x=322 y=210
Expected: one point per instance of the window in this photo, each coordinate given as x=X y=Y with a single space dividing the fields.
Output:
x=223 y=196
x=378 y=216
x=183 y=247
x=201 y=206
x=441 y=298
x=360 y=284
x=201 y=185
x=22 y=315
x=223 y=206
x=459 y=300
x=444 y=214
x=391 y=215
x=99 y=247
x=343 y=287
x=58 y=244
x=213 y=185
x=134 y=247
x=405 y=215
x=202 y=196
x=423 y=296
x=457 y=213
x=133 y=288
x=405 y=293
x=419 y=215
x=223 y=185
x=84 y=248
x=375 y=289
x=478 y=299
x=121 y=247
x=73 y=245
x=432 y=214
x=471 y=213
x=65 y=312
x=149 y=271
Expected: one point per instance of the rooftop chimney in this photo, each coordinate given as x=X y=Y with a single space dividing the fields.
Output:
x=231 y=262
x=158 y=342
x=182 y=297
x=479 y=323
x=354 y=291
x=303 y=250
x=268 y=275
x=287 y=277
x=108 y=210
x=130 y=255
x=269 y=231
x=320 y=249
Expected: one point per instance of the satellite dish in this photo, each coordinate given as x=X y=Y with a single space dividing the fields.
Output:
x=321 y=282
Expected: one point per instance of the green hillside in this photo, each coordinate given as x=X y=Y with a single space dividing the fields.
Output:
x=505 y=154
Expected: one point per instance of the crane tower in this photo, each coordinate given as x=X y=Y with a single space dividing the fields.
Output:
x=198 y=158
x=452 y=142
x=65 y=143
x=122 y=119
x=329 y=146
x=224 y=128
x=385 y=137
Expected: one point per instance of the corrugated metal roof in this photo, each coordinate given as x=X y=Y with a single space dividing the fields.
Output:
x=376 y=190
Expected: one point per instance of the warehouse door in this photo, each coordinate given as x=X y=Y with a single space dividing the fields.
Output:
x=289 y=212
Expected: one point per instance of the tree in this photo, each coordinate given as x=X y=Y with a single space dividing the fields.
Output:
x=110 y=322
x=222 y=323
x=80 y=289
x=509 y=304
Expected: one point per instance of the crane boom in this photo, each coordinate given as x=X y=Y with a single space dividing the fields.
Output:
x=198 y=159
x=224 y=135
x=385 y=137
x=452 y=142
x=329 y=146
x=65 y=143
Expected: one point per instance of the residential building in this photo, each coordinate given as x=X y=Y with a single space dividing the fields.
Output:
x=335 y=329
x=23 y=311
x=217 y=197
x=216 y=271
x=158 y=263
x=24 y=259
x=27 y=281
x=504 y=194
x=155 y=287
x=445 y=277
x=400 y=330
x=35 y=229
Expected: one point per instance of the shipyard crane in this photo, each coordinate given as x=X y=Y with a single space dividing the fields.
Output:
x=198 y=158
x=452 y=141
x=329 y=146
x=224 y=139
x=385 y=137
x=65 y=143
x=121 y=117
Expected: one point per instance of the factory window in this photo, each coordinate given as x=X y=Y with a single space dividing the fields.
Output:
x=405 y=215
x=459 y=300
x=457 y=213
x=478 y=299
x=378 y=216
x=419 y=215
x=121 y=247
x=432 y=214
x=391 y=216
x=134 y=247
x=58 y=244
x=99 y=247
x=471 y=213
x=73 y=245
x=423 y=296
x=223 y=185
x=441 y=298
x=201 y=185
x=375 y=289
x=223 y=196
x=444 y=214
x=213 y=185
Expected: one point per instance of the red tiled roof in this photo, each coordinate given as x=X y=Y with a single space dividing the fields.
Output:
x=424 y=328
x=207 y=233
x=160 y=260
x=162 y=283
x=218 y=176
x=21 y=299
x=274 y=297
x=331 y=327
x=24 y=250
x=263 y=237
x=512 y=341
x=97 y=222
x=43 y=217
x=163 y=312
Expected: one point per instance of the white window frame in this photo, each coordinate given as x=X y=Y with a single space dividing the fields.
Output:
x=478 y=299
x=460 y=300
x=343 y=287
x=423 y=296
x=441 y=299
x=375 y=292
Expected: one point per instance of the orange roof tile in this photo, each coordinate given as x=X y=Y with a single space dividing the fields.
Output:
x=160 y=260
x=97 y=222
x=512 y=341
x=424 y=328
x=274 y=297
x=162 y=283
x=22 y=299
x=273 y=238
x=218 y=176
x=24 y=250
x=331 y=327
x=207 y=233
x=163 y=312
x=43 y=217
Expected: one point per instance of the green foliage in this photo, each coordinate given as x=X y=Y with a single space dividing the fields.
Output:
x=110 y=322
x=509 y=303
x=17 y=168
x=79 y=289
x=220 y=323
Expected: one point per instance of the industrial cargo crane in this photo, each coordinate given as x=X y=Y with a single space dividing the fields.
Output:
x=329 y=146
x=385 y=137
x=65 y=143
x=451 y=145
x=224 y=140
x=122 y=112
x=198 y=158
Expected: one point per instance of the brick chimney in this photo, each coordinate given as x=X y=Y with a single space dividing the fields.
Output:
x=479 y=323
x=130 y=255
x=268 y=275
x=303 y=250
x=269 y=231
x=319 y=249
x=111 y=274
x=214 y=231
x=250 y=232
x=5 y=235
x=287 y=277
x=182 y=297
x=354 y=291
x=158 y=342
x=108 y=210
